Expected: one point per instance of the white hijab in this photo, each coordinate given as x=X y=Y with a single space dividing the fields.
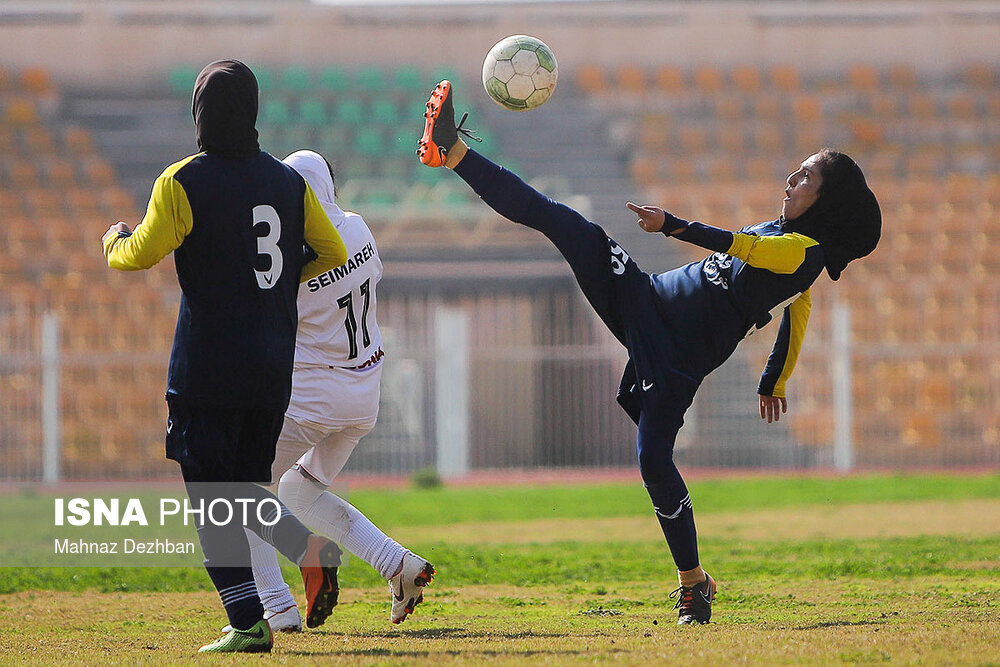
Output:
x=314 y=169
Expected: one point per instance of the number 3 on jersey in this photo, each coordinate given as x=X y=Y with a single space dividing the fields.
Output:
x=619 y=258
x=347 y=302
x=268 y=245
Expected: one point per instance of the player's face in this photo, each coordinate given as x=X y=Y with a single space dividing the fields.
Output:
x=802 y=190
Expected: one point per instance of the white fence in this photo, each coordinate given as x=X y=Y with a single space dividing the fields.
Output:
x=526 y=379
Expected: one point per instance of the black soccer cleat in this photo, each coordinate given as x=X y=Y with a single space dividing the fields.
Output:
x=694 y=605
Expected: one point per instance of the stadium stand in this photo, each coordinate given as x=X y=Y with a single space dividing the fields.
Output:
x=708 y=143
x=928 y=145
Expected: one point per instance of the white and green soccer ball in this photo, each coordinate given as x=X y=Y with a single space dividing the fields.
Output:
x=520 y=73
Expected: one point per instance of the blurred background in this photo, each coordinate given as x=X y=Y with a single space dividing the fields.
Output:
x=494 y=359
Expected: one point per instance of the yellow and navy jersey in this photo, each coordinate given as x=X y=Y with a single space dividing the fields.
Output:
x=237 y=228
x=753 y=275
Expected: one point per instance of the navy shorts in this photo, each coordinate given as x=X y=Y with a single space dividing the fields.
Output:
x=222 y=444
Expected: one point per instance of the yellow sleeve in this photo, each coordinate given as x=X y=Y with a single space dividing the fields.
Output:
x=322 y=237
x=779 y=254
x=167 y=222
x=785 y=353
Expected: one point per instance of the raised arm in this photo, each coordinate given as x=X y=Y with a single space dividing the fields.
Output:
x=780 y=254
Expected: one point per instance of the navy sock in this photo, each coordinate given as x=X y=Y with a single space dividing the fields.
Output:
x=239 y=595
x=672 y=504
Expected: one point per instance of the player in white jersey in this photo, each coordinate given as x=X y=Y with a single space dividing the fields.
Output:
x=335 y=398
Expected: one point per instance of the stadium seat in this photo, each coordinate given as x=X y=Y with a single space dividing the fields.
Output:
x=785 y=78
x=708 y=79
x=312 y=111
x=181 y=79
x=295 y=79
x=333 y=80
x=669 y=79
x=275 y=111
x=630 y=79
x=591 y=79
x=863 y=78
x=746 y=78
x=370 y=79
x=36 y=80
x=349 y=111
x=408 y=80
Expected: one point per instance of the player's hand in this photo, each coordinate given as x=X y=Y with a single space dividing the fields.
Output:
x=115 y=229
x=772 y=407
x=650 y=218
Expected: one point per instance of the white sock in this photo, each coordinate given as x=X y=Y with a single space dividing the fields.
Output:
x=341 y=522
x=271 y=586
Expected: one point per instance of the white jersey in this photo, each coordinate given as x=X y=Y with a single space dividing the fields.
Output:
x=338 y=346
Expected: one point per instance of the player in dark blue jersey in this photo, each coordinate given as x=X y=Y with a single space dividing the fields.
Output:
x=680 y=325
x=237 y=221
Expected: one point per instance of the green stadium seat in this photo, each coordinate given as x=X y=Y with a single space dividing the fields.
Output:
x=333 y=80
x=275 y=112
x=407 y=79
x=296 y=79
x=181 y=79
x=384 y=111
x=265 y=78
x=371 y=79
x=312 y=112
x=349 y=111
x=368 y=142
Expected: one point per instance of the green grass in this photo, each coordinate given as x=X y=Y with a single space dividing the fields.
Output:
x=816 y=594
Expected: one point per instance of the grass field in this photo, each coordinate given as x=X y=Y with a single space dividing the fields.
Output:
x=856 y=570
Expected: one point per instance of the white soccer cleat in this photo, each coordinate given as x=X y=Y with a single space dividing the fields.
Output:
x=287 y=620
x=407 y=586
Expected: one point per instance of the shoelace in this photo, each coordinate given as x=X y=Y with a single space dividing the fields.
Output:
x=685 y=597
x=466 y=131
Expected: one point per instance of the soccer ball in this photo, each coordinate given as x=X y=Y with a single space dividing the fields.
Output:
x=520 y=73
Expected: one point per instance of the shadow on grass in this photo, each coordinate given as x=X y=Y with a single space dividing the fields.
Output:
x=837 y=624
x=447 y=633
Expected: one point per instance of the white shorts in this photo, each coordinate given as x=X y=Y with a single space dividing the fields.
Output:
x=321 y=450
x=336 y=396
x=330 y=411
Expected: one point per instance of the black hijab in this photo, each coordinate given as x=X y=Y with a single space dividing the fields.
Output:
x=225 y=109
x=845 y=220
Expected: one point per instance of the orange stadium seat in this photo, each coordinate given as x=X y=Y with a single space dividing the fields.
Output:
x=863 y=78
x=746 y=78
x=631 y=79
x=980 y=76
x=669 y=79
x=36 y=80
x=591 y=79
x=20 y=111
x=903 y=77
x=708 y=79
x=78 y=140
x=98 y=171
x=785 y=78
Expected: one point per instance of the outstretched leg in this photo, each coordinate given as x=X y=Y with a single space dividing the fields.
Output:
x=596 y=260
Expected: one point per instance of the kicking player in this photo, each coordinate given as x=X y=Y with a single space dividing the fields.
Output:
x=335 y=398
x=236 y=220
x=680 y=325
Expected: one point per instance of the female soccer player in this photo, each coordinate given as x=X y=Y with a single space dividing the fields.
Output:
x=680 y=325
